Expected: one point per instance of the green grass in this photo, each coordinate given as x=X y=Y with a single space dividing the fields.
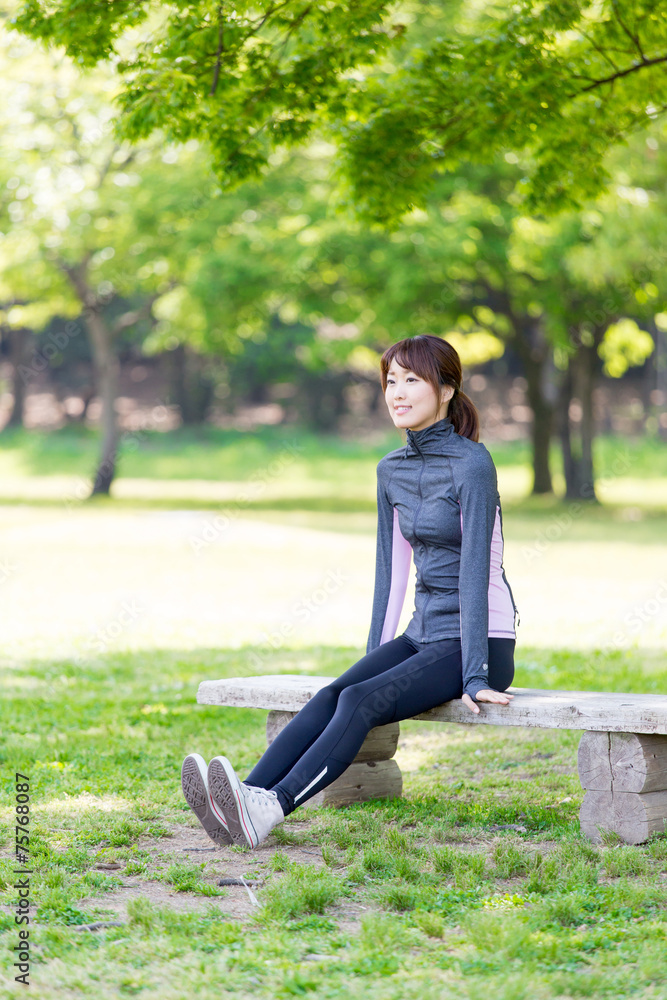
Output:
x=283 y=467
x=450 y=902
x=476 y=883
x=206 y=452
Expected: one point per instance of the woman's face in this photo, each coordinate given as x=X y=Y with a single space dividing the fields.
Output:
x=411 y=400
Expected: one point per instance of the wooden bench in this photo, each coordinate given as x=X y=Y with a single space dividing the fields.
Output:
x=622 y=755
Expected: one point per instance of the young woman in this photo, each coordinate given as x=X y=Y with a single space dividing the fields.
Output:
x=438 y=502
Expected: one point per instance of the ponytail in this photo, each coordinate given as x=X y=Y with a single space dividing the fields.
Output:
x=463 y=414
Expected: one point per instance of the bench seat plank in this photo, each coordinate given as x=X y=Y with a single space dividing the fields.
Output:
x=595 y=711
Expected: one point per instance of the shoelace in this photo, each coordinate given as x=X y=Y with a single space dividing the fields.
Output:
x=257 y=794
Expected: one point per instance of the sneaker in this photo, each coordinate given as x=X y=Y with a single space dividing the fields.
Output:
x=194 y=782
x=251 y=812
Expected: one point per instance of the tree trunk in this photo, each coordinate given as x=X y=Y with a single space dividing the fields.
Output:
x=565 y=396
x=577 y=436
x=20 y=342
x=321 y=399
x=541 y=440
x=658 y=401
x=176 y=369
x=587 y=385
x=200 y=386
x=648 y=382
x=190 y=388
x=535 y=353
x=107 y=369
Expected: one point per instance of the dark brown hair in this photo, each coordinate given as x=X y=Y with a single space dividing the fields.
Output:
x=438 y=363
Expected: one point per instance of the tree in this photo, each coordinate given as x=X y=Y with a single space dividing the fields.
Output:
x=91 y=226
x=551 y=85
x=32 y=292
x=244 y=79
x=16 y=343
x=555 y=83
x=481 y=89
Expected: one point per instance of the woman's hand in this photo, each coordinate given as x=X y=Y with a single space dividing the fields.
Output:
x=487 y=694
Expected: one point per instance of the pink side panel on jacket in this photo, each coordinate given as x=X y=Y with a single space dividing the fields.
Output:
x=401 y=554
x=501 y=609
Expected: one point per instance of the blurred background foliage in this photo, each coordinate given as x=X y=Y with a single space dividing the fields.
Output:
x=225 y=216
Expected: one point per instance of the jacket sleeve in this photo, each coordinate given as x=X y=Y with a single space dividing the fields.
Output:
x=478 y=498
x=392 y=569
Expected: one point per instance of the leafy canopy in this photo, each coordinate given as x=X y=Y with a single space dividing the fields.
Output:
x=549 y=85
x=245 y=78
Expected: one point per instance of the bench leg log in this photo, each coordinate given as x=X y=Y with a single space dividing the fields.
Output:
x=373 y=774
x=625 y=778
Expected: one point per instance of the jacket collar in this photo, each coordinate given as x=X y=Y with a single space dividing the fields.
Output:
x=429 y=440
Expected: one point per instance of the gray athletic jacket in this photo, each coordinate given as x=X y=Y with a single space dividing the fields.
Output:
x=438 y=502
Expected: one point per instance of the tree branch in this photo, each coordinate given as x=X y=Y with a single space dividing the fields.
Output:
x=15 y=302
x=625 y=72
x=601 y=52
x=106 y=167
x=270 y=12
x=633 y=38
x=79 y=279
x=298 y=21
x=129 y=319
x=218 y=55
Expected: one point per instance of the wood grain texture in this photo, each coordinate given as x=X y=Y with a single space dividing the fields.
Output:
x=534 y=708
x=633 y=816
x=593 y=761
x=623 y=762
x=380 y=744
x=638 y=762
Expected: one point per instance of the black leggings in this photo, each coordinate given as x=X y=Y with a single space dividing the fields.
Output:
x=395 y=681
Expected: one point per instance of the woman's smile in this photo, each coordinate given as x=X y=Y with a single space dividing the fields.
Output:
x=426 y=405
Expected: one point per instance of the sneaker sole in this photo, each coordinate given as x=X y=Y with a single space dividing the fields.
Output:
x=193 y=783
x=225 y=790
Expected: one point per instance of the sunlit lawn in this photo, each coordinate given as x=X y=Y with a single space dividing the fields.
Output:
x=476 y=883
x=280 y=465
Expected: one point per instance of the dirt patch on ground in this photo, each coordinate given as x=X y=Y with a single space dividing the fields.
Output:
x=192 y=845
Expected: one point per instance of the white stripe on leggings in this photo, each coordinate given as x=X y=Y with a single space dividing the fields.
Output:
x=313 y=782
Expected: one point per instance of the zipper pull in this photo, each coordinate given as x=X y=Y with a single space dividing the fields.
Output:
x=517 y=617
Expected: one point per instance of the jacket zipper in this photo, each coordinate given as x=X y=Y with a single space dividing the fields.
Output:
x=414 y=530
x=517 y=615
